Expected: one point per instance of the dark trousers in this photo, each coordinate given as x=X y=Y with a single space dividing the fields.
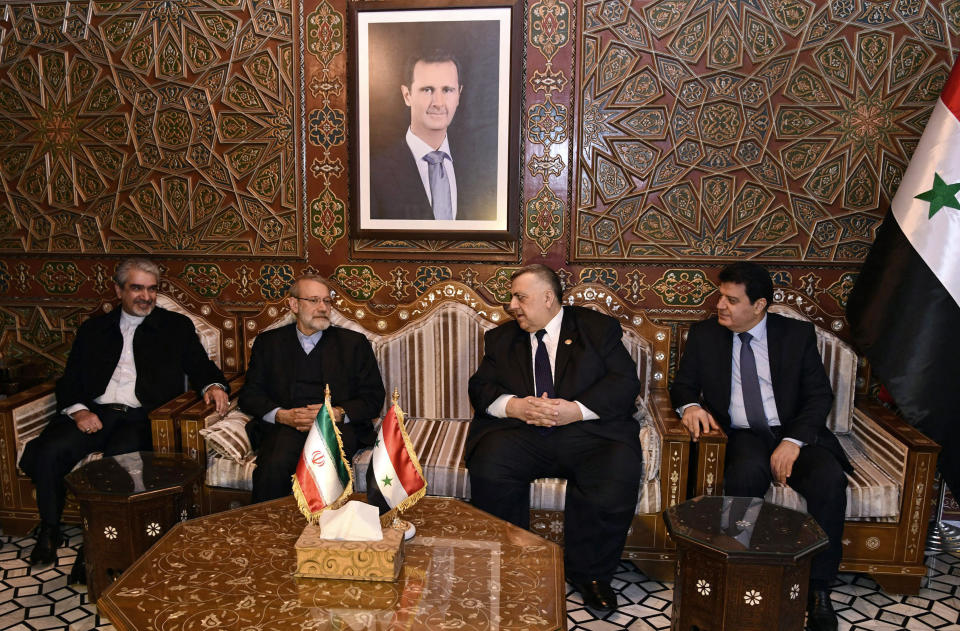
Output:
x=60 y=446
x=279 y=453
x=603 y=480
x=817 y=476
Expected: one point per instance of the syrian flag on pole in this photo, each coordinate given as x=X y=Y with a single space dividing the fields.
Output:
x=323 y=478
x=394 y=478
x=904 y=310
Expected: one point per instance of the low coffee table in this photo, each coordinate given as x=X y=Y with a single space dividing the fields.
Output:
x=465 y=569
x=127 y=502
x=742 y=564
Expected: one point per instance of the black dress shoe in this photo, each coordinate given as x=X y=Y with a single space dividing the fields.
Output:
x=820 y=613
x=48 y=540
x=78 y=574
x=597 y=595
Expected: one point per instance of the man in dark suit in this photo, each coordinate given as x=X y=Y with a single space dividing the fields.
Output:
x=420 y=176
x=554 y=397
x=122 y=365
x=760 y=377
x=284 y=387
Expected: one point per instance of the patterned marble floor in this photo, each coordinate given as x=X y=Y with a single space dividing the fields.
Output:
x=39 y=598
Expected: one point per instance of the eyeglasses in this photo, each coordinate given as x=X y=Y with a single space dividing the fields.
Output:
x=315 y=300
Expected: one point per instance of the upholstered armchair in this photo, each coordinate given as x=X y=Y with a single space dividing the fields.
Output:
x=24 y=415
x=889 y=492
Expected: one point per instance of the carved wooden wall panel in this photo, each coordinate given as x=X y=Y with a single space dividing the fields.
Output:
x=160 y=127
x=775 y=131
x=660 y=138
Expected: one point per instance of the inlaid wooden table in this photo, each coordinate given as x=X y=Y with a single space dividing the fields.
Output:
x=127 y=502
x=742 y=564
x=465 y=570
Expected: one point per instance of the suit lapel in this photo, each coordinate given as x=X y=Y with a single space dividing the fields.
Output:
x=725 y=369
x=521 y=350
x=568 y=332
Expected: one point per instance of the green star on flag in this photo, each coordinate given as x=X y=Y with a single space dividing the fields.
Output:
x=387 y=481
x=942 y=194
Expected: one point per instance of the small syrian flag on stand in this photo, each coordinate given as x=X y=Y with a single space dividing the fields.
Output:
x=394 y=478
x=323 y=479
x=904 y=310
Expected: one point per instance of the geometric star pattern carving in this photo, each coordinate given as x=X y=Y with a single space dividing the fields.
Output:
x=728 y=129
x=158 y=127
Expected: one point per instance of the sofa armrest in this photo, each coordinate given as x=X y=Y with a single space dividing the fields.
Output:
x=916 y=498
x=165 y=424
x=708 y=453
x=911 y=438
x=22 y=417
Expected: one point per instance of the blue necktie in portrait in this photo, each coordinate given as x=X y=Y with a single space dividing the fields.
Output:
x=439 y=185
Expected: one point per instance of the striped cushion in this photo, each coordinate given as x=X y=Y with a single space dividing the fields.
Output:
x=229 y=473
x=430 y=361
x=228 y=437
x=871 y=492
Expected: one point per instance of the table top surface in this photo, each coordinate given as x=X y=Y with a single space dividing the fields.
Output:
x=464 y=569
x=745 y=527
x=132 y=474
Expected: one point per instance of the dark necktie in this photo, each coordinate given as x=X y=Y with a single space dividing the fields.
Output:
x=750 y=385
x=439 y=185
x=541 y=367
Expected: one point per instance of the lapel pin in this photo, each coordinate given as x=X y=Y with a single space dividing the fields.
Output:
x=568 y=341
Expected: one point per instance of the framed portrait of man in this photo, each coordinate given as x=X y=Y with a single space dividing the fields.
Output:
x=435 y=103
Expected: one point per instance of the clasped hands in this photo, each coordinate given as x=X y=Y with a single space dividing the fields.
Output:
x=698 y=421
x=544 y=411
x=302 y=418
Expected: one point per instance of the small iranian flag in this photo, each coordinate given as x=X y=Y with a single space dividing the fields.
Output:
x=394 y=478
x=323 y=479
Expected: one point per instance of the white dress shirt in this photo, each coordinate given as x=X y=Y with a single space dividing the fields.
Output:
x=123 y=383
x=419 y=149
x=551 y=340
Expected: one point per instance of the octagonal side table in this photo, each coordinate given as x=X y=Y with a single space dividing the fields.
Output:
x=127 y=502
x=742 y=564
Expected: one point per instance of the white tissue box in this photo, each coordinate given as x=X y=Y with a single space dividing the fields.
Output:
x=351 y=560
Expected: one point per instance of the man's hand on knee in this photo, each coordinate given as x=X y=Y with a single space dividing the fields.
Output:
x=299 y=418
x=87 y=422
x=698 y=421
x=782 y=459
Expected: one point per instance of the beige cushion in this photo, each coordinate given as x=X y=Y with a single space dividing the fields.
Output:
x=871 y=492
x=30 y=418
x=228 y=437
x=228 y=473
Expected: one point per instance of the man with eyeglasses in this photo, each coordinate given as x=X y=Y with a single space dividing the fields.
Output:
x=284 y=388
x=122 y=365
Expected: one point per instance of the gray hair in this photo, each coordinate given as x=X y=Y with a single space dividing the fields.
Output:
x=317 y=278
x=142 y=264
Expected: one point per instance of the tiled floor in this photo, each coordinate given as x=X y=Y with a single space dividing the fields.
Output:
x=39 y=598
